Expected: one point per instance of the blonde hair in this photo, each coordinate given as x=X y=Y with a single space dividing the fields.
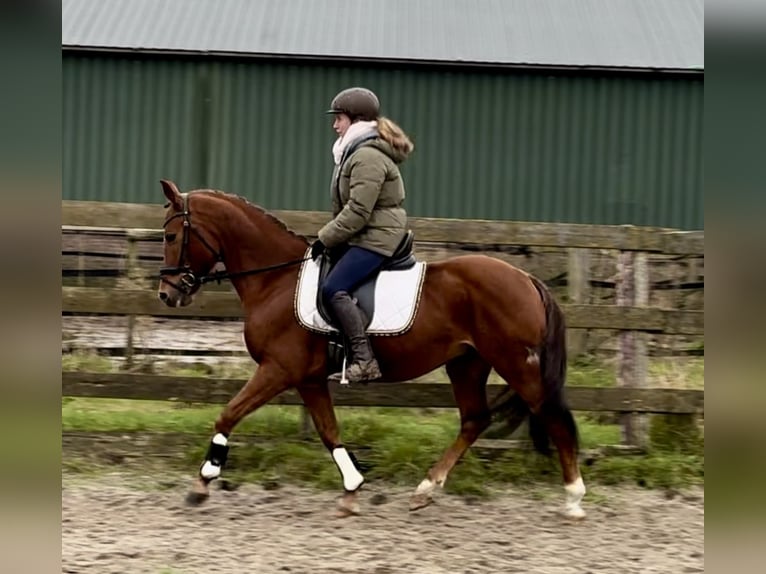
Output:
x=394 y=135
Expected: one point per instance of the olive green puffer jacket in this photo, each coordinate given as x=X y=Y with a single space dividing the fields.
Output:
x=367 y=198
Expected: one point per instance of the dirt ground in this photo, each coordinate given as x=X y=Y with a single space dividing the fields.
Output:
x=121 y=523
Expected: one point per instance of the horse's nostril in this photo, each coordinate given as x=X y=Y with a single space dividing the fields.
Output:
x=163 y=296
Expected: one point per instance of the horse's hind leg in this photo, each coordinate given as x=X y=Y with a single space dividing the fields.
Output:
x=468 y=374
x=316 y=398
x=555 y=420
x=550 y=418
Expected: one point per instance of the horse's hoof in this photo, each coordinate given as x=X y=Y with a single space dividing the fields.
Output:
x=418 y=501
x=574 y=514
x=347 y=506
x=196 y=498
x=342 y=512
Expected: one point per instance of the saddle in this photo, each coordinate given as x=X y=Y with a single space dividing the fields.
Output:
x=364 y=295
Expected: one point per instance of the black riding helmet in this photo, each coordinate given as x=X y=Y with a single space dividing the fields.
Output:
x=356 y=103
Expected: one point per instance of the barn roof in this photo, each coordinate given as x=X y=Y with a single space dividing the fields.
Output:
x=643 y=34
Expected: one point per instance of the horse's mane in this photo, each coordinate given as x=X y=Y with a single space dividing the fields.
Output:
x=257 y=208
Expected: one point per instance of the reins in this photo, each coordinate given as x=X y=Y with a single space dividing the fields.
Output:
x=221 y=275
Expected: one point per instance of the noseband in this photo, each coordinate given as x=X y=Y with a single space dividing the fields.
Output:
x=189 y=280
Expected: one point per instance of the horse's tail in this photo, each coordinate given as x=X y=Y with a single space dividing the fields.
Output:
x=553 y=365
x=553 y=371
x=553 y=354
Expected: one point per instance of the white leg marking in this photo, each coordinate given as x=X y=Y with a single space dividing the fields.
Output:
x=574 y=493
x=220 y=439
x=352 y=478
x=426 y=486
x=210 y=471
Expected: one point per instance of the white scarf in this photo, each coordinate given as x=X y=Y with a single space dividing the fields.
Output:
x=354 y=131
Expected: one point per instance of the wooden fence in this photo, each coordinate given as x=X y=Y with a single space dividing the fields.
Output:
x=484 y=233
x=218 y=305
x=404 y=394
x=137 y=226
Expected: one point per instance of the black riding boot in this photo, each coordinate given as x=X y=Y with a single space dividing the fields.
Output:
x=363 y=367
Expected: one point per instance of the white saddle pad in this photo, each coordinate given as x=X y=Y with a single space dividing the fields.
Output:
x=397 y=295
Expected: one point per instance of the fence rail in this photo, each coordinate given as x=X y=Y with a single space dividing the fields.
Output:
x=404 y=394
x=146 y=219
x=218 y=305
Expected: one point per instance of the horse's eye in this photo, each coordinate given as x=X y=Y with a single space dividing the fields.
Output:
x=170 y=237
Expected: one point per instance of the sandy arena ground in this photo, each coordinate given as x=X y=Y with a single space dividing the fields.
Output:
x=116 y=523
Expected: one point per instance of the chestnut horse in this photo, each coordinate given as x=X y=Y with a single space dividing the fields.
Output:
x=476 y=313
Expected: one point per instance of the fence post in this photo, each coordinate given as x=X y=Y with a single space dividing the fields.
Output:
x=131 y=264
x=80 y=261
x=632 y=285
x=642 y=283
x=578 y=285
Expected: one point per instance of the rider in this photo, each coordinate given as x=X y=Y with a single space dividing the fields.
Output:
x=369 y=221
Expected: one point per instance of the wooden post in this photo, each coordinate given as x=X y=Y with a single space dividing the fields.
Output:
x=640 y=424
x=631 y=367
x=692 y=270
x=130 y=272
x=578 y=283
x=129 y=342
x=80 y=261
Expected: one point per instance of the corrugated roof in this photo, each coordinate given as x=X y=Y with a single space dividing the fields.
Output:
x=648 y=34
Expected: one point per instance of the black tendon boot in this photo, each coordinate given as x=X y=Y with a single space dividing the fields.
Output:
x=364 y=367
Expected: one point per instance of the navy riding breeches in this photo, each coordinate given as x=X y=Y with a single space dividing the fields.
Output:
x=356 y=265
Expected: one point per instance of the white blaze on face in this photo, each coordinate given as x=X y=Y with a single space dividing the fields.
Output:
x=352 y=478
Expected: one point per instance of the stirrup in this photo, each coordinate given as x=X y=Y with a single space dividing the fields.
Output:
x=343 y=378
x=333 y=377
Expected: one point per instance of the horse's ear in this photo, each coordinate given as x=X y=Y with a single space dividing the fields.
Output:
x=171 y=192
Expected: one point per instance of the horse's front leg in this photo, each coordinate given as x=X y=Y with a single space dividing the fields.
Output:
x=316 y=398
x=267 y=382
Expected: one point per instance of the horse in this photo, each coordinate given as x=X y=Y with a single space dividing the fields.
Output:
x=475 y=313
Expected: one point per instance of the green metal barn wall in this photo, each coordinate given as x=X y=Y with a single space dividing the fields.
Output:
x=489 y=144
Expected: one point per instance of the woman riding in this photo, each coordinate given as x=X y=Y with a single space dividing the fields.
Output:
x=369 y=221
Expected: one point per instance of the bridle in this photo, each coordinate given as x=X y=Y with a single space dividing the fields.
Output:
x=189 y=280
